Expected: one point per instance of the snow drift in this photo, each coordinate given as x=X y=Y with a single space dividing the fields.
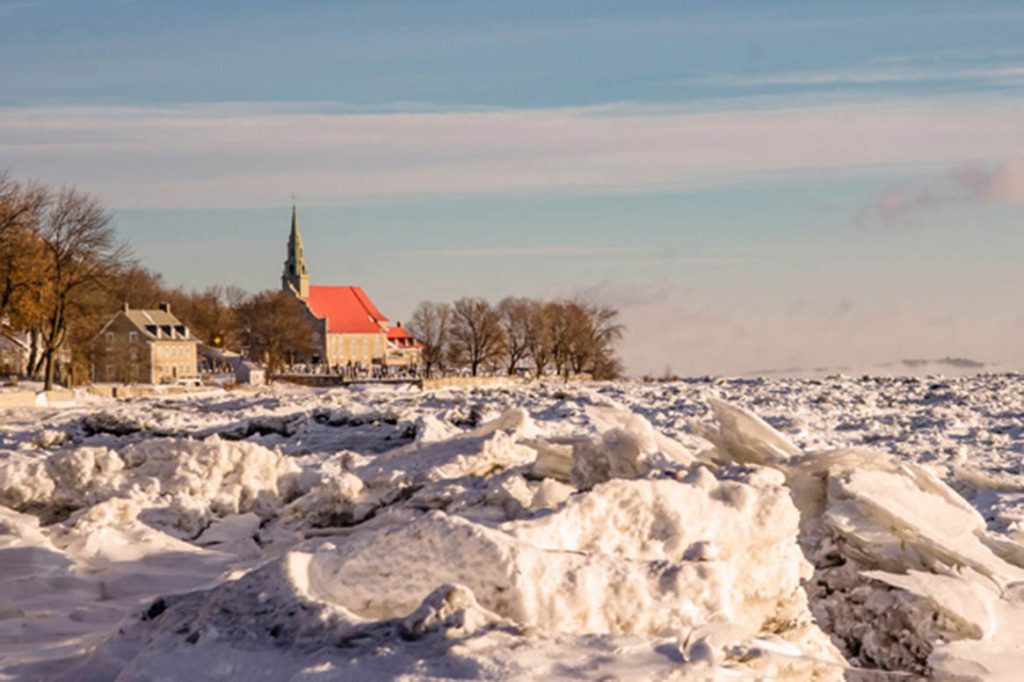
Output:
x=908 y=576
x=574 y=542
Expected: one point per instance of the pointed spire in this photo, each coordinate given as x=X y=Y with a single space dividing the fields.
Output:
x=295 y=278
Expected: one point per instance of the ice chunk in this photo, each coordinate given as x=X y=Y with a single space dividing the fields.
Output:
x=451 y=610
x=867 y=517
x=610 y=562
x=627 y=446
x=741 y=436
x=493 y=447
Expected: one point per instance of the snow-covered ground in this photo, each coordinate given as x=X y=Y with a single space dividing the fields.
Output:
x=719 y=529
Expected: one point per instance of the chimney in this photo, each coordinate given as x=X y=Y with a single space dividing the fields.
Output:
x=166 y=307
x=124 y=306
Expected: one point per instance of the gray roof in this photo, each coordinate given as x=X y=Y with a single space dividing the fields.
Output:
x=155 y=323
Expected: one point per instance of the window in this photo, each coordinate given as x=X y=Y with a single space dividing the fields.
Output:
x=110 y=372
x=133 y=337
x=133 y=353
x=110 y=337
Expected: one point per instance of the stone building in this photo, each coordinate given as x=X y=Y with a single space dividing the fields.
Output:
x=348 y=329
x=145 y=346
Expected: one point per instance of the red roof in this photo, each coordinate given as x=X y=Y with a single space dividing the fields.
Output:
x=401 y=338
x=396 y=333
x=348 y=310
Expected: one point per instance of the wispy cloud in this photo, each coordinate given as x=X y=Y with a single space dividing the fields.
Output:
x=1000 y=183
x=870 y=75
x=248 y=155
x=10 y=7
x=527 y=251
x=625 y=294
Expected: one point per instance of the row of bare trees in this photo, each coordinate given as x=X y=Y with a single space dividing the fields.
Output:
x=518 y=335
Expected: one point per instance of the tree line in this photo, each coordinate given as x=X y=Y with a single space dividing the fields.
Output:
x=64 y=273
x=518 y=335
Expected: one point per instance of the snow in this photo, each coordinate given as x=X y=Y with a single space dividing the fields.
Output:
x=711 y=529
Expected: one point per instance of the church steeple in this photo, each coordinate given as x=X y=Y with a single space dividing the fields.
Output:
x=295 y=278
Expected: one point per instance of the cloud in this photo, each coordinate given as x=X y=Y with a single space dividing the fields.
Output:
x=626 y=294
x=8 y=8
x=1002 y=184
x=253 y=155
x=504 y=251
x=967 y=183
x=993 y=75
x=954 y=363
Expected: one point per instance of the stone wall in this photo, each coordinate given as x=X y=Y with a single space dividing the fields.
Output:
x=12 y=399
x=23 y=398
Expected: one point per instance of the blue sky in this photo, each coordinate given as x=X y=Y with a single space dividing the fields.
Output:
x=756 y=185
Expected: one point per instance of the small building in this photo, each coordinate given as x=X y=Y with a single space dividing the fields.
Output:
x=403 y=349
x=145 y=346
x=249 y=372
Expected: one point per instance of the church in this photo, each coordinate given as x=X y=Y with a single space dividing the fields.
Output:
x=348 y=329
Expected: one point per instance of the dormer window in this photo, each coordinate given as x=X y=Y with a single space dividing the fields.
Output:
x=182 y=331
x=165 y=329
x=151 y=329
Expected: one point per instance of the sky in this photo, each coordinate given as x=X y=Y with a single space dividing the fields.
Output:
x=758 y=187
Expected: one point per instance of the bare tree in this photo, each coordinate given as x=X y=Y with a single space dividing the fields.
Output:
x=561 y=330
x=539 y=338
x=81 y=254
x=138 y=287
x=606 y=331
x=578 y=349
x=22 y=264
x=273 y=326
x=514 y=315
x=208 y=314
x=582 y=338
x=476 y=336
x=430 y=325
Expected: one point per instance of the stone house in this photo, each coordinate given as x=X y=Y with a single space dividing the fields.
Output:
x=144 y=346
